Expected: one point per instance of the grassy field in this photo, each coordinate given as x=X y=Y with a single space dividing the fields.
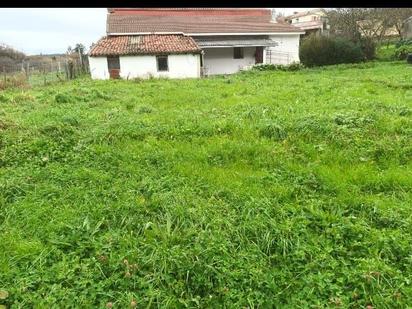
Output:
x=258 y=190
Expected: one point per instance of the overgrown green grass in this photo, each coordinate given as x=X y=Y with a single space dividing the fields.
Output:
x=386 y=52
x=259 y=190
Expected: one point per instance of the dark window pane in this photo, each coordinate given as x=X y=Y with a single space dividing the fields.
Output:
x=238 y=53
x=162 y=63
x=113 y=63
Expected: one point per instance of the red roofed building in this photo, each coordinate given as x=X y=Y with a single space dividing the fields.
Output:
x=189 y=42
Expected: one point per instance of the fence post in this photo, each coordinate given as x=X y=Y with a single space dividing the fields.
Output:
x=27 y=71
x=66 y=70
x=44 y=74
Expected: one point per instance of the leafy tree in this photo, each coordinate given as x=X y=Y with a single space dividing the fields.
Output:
x=79 y=48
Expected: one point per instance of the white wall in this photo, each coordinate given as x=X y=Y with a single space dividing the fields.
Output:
x=220 y=60
x=287 y=48
x=180 y=66
x=98 y=68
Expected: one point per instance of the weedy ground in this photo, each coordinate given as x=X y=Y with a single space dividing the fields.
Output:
x=258 y=190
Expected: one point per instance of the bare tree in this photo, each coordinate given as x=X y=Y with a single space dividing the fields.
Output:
x=375 y=25
x=344 y=21
x=368 y=22
x=10 y=52
x=10 y=58
x=396 y=17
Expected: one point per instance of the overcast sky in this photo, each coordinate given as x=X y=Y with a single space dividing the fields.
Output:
x=35 y=31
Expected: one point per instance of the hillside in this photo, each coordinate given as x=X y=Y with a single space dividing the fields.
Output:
x=258 y=190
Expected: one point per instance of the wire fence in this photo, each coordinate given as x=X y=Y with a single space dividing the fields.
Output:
x=27 y=73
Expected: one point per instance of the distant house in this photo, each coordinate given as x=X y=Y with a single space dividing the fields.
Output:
x=190 y=42
x=312 y=22
x=375 y=28
x=407 y=28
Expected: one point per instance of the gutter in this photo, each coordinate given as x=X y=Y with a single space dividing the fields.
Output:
x=207 y=34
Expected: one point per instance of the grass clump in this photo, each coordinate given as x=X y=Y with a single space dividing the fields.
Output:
x=63 y=98
x=263 y=189
x=279 y=67
x=273 y=131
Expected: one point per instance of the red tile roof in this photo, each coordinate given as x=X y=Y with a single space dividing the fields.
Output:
x=144 y=45
x=195 y=21
x=190 y=11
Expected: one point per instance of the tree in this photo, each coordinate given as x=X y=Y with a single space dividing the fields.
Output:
x=77 y=59
x=10 y=58
x=362 y=26
x=79 y=48
x=367 y=22
x=344 y=21
x=10 y=52
x=396 y=17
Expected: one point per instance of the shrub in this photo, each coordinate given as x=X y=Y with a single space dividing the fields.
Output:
x=403 y=42
x=321 y=50
x=402 y=52
x=368 y=47
x=63 y=98
x=295 y=66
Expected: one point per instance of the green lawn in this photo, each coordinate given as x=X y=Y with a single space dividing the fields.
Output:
x=258 y=190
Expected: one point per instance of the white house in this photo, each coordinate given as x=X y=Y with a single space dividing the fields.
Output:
x=156 y=55
x=190 y=42
x=313 y=21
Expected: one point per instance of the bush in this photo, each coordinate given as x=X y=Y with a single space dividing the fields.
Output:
x=63 y=98
x=401 y=53
x=403 y=42
x=409 y=58
x=321 y=50
x=295 y=66
x=368 y=47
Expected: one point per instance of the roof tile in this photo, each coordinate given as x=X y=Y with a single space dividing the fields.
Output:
x=117 y=24
x=144 y=45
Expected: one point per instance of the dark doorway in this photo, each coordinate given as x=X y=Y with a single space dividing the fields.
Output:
x=113 y=64
x=259 y=55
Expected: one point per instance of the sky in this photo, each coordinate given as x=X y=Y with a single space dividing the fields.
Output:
x=53 y=30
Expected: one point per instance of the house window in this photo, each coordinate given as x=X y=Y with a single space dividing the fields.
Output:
x=113 y=63
x=162 y=63
x=238 y=53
